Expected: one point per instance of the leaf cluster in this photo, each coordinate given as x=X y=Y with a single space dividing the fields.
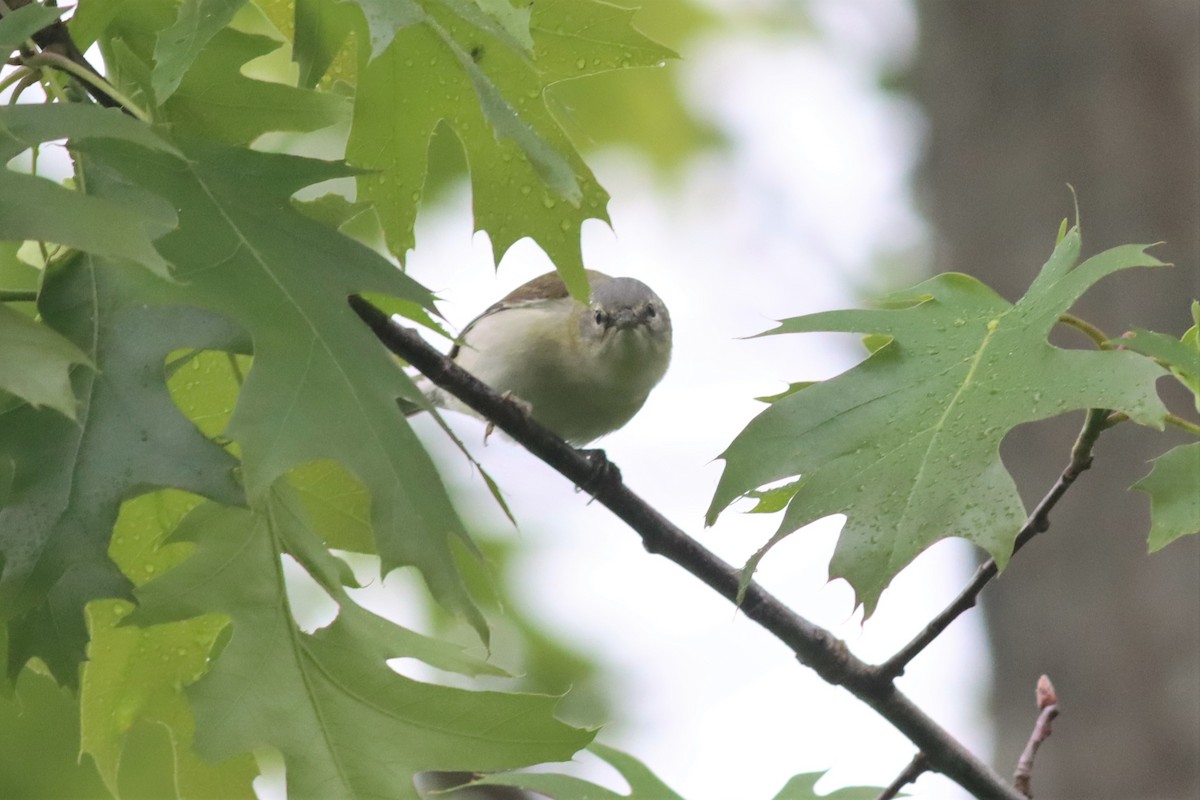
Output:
x=189 y=406
x=189 y=403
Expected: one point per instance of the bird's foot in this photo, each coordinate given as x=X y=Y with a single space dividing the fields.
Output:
x=602 y=471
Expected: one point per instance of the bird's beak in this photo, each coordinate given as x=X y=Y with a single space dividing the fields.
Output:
x=624 y=319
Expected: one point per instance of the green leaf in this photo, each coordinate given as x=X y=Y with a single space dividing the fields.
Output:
x=39 y=744
x=776 y=499
x=19 y=24
x=215 y=100
x=243 y=251
x=338 y=505
x=35 y=362
x=70 y=477
x=792 y=388
x=37 y=209
x=15 y=274
x=801 y=787
x=643 y=784
x=434 y=62
x=906 y=443
x=1174 y=488
x=347 y=726
x=135 y=674
x=134 y=677
x=1181 y=356
x=321 y=29
x=180 y=44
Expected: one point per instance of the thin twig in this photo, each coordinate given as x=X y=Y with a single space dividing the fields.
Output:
x=1038 y=521
x=17 y=296
x=1047 y=703
x=909 y=774
x=812 y=645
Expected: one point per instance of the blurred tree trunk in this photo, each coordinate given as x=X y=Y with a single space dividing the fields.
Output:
x=1024 y=98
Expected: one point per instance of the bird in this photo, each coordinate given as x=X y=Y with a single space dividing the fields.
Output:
x=583 y=370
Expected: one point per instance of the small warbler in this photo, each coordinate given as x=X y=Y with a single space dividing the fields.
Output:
x=583 y=369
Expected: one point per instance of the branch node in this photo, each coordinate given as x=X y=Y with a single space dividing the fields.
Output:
x=910 y=773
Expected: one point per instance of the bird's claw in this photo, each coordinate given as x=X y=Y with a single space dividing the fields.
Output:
x=602 y=470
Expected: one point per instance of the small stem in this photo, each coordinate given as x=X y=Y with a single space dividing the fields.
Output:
x=918 y=765
x=1086 y=328
x=31 y=78
x=15 y=76
x=1081 y=458
x=1180 y=422
x=65 y=64
x=52 y=85
x=18 y=296
x=1115 y=419
x=1047 y=702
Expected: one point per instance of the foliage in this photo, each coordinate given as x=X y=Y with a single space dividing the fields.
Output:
x=645 y=785
x=907 y=443
x=175 y=256
x=188 y=404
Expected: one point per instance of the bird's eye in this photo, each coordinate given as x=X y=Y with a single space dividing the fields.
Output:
x=599 y=317
x=651 y=310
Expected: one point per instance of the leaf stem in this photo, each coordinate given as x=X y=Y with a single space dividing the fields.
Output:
x=50 y=59
x=1086 y=328
x=1180 y=422
x=29 y=79
x=812 y=645
x=18 y=296
x=15 y=76
x=1094 y=424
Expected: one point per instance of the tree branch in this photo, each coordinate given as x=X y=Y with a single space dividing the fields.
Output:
x=813 y=645
x=907 y=775
x=1038 y=521
x=1047 y=703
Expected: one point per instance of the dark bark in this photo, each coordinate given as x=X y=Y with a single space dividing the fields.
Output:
x=1024 y=98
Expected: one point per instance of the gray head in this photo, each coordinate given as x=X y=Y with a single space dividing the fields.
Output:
x=620 y=304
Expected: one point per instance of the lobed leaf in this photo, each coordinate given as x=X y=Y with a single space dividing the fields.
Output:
x=134 y=677
x=39 y=736
x=803 y=787
x=33 y=208
x=1174 y=488
x=321 y=386
x=906 y=443
x=19 y=24
x=347 y=726
x=215 y=100
x=1181 y=356
x=179 y=45
x=643 y=784
x=35 y=362
x=435 y=61
x=70 y=477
